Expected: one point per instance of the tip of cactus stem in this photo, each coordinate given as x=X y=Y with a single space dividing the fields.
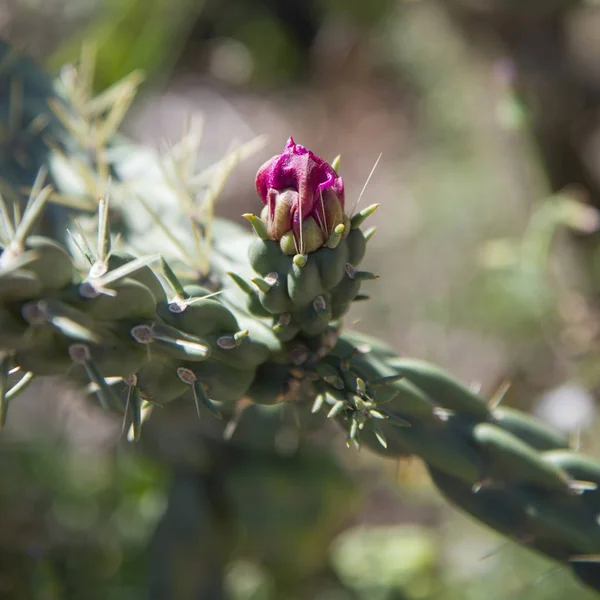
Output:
x=359 y=218
x=300 y=260
x=258 y=225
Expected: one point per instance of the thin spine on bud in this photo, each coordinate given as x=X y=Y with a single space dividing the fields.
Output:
x=103 y=251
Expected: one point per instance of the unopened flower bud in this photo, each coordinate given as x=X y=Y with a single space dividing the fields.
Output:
x=303 y=197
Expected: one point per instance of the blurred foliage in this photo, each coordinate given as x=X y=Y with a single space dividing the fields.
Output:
x=273 y=38
x=131 y=35
x=75 y=524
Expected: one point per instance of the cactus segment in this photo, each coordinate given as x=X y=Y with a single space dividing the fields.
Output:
x=513 y=461
x=53 y=265
x=270 y=384
x=438 y=384
x=528 y=429
x=198 y=316
x=126 y=299
x=144 y=275
x=158 y=380
x=18 y=285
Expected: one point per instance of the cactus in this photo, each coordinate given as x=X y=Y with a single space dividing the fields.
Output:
x=259 y=325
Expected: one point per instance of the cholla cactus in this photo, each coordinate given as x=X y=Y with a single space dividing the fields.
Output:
x=147 y=331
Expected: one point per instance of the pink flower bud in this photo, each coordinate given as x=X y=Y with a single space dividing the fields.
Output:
x=297 y=185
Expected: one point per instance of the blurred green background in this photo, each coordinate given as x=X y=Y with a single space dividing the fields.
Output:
x=486 y=114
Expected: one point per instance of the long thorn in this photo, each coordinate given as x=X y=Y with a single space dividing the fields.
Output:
x=366 y=183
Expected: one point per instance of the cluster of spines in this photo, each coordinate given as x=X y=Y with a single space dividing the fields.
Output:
x=113 y=322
